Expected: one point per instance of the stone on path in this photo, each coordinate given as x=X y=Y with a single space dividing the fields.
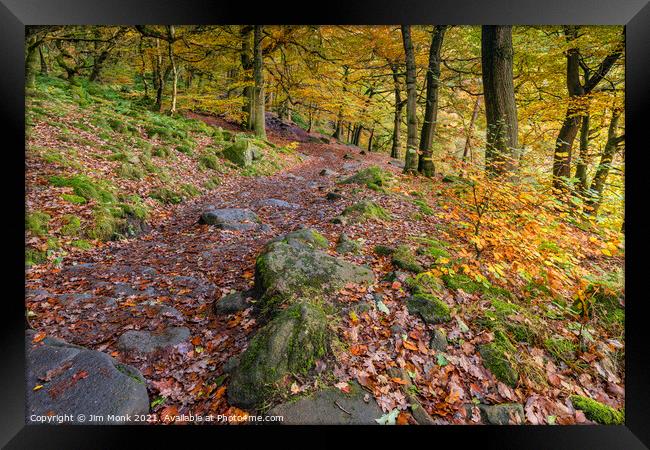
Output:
x=277 y=203
x=328 y=173
x=142 y=341
x=231 y=218
x=232 y=303
x=330 y=407
x=75 y=380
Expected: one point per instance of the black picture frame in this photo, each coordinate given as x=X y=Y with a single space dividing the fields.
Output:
x=15 y=14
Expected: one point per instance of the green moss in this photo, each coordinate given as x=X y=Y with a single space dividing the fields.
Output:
x=434 y=247
x=365 y=210
x=429 y=307
x=184 y=148
x=208 y=162
x=383 y=250
x=497 y=357
x=424 y=283
x=464 y=282
x=71 y=225
x=190 y=190
x=37 y=222
x=161 y=152
x=85 y=187
x=404 y=258
x=82 y=244
x=130 y=171
x=561 y=348
x=33 y=256
x=424 y=207
x=212 y=183
x=76 y=199
x=374 y=177
x=289 y=343
x=166 y=195
x=598 y=412
x=105 y=225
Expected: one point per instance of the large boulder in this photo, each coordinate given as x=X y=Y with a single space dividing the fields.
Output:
x=429 y=307
x=290 y=343
x=294 y=266
x=330 y=407
x=242 y=153
x=68 y=379
x=231 y=218
x=232 y=303
x=142 y=341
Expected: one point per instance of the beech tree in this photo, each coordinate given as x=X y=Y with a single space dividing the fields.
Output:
x=500 y=108
x=411 y=163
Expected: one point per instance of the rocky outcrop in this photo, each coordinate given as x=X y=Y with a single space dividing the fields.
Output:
x=295 y=266
x=290 y=343
x=67 y=379
x=231 y=218
x=142 y=341
x=330 y=407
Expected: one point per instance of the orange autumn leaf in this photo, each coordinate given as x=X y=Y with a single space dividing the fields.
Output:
x=410 y=346
x=168 y=414
x=398 y=380
x=196 y=340
x=357 y=350
x=403 y=418
x=38 y=337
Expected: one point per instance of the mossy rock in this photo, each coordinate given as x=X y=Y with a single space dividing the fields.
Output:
x=362 y=212
x=429 y=307
x=424 y=283
x=166 y=195
x=207 y=161
x=33 y=256
x=598 y=412
x=464 y=282
x=346 y=245
x=242 y=152
x=404 y=258
x=293 y=266
x=498 y=318
x=373 y=177
x=434 y=247
x=497 y=359
x=290 y=343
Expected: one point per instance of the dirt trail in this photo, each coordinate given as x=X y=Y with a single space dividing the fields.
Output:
x=186 y=266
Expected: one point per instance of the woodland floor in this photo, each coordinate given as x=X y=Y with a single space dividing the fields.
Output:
x=188 y=266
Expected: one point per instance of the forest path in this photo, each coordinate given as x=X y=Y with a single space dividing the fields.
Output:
x=172 y=276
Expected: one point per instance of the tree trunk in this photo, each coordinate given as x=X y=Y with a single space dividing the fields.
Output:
x=571 y=124
x=258 y=74
x=247 y=66
x=160 y=78
x=31 y=58
x=583 y=157
x=425 y=164
x=44 y=68
x=372 y=134
x=411 y=160
x=598 y=183
x=470 y=131
x=397 y=120
x=500 y=108
x=171 y=32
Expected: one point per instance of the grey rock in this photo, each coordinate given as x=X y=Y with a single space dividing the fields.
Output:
x=397 y=163
x=328 y=407
x=333 y=196
x=142 y=341
x=232 y=303
x=161 y=309
x=231 y=218
x=438 y=340
x=503 y=414
x=277 y=203
x=328 y=173
x=351 y=165
x=77 y=381
x=294 y=177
